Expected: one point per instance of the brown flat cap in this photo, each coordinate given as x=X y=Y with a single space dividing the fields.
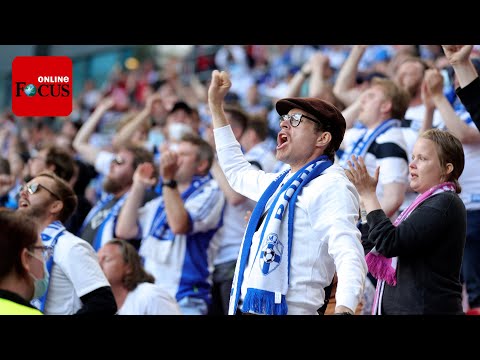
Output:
x=331 y=118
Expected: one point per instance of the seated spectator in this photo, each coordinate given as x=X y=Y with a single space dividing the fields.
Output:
x=134 y=289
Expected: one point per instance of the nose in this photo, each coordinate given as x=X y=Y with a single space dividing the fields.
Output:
x=284 y=123
x=23 y=191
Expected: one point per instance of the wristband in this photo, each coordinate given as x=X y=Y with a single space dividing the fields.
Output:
x=171 y=184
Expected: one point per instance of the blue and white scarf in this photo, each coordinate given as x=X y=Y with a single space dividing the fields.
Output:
x=361 y=146
x=50 y=236
x=160 y=229
x=269 y=278
x=107 y=224
x=160 y=237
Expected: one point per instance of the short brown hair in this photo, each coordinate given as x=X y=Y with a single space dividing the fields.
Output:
x=238 y=115
x=399 y=97
x=18 y=231
x=66 y=194
x=62 y=160
x=140 y=155
x=205 y=151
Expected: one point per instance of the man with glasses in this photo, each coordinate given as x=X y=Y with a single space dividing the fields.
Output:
x=115 y=169
x=98 y=226
x=77 y=283
x=303 y=228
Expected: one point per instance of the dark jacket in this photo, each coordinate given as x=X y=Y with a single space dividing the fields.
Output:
x=429 y=245
x=470 y=98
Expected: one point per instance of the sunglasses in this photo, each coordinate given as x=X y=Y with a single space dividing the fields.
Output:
x=34 y=187
x=118 y=160
x=296 y=119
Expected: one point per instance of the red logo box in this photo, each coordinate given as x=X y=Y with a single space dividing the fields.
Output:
x=42 y=86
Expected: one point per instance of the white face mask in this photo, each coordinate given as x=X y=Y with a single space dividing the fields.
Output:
x=177 y=130
x=40 y=285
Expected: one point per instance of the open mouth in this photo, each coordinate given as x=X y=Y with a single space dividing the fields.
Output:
x=22 y=203
x=282 y=140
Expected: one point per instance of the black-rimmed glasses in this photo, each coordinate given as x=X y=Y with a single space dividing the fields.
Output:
x=296 y=119
x=47 y=251
x=33 y=188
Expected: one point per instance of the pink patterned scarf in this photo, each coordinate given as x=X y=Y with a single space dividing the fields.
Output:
x=384 y=269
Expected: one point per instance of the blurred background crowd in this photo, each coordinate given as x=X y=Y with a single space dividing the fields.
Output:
x=151 y=96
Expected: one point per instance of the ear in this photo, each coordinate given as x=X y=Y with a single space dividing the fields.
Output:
x=24 y=258
x=51 y=167
x=56 y=207
x=386 y=106
x=449 y=168
x=324 y=139
x=202 y=167
x=128 y=269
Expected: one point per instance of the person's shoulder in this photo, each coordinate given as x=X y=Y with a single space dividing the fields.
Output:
x=70 y=243
x=334 y=173
x=333 y=178
x=393 y=134
x=152 y=290
x=210 y=187
x=447 y=201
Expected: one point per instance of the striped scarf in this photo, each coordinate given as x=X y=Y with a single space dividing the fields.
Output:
x=269 y=276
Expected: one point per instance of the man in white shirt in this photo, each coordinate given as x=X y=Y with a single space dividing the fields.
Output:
x=77 y=284
x=296 y=241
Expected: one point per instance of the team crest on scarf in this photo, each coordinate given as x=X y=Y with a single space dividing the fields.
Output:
x=271 y=254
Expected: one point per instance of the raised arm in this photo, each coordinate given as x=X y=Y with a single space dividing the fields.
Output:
x=198 y=88
x=459 y=57
x=177 y=216
x=219 y=87
x=320 y=72
x=296 y=82
x=127 y=131
x=127 y=226
x=344 y=88
x=458 y=127
x=429 y=106
x=80 y=143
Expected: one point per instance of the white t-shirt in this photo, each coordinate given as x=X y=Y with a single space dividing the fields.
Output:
x=388 y=150
x=75 y=272
x=182 y=266
x=149 y=299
